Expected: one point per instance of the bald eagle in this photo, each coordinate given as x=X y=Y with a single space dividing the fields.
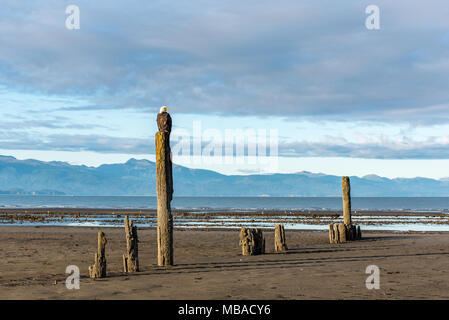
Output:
x=164 y=120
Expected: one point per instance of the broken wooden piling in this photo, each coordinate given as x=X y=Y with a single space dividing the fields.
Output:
x=98 y=269
x=164 y=181
x=280 y=244
x=246 y=241
x=343 y=232
x=131 y=257
x=252 y=241
x=259 y=241
x=334 y=233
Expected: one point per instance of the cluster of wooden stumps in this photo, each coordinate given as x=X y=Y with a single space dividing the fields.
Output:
x=340 y=232
x=252 y=241
x=130 y=258
x=346 y=231
x=164 y=181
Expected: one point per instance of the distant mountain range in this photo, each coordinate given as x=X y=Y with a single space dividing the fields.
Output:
x=137 y=177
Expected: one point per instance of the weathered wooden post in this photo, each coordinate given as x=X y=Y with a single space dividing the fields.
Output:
x=331 y=233
x=259 y=241
x=359 y=233
x=346 y=188
x=131 y=257
x=252 y=241
x=98 y=269
x=246 y=241
x=164 y=182
x=342 y=232
x=279 y=238
x=336 y=233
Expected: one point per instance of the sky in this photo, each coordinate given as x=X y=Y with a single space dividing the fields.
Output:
x=342 y=99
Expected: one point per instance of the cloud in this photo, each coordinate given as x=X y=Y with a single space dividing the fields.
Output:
x=48 y=124
x=76 y=143
x=309 y=60
x=369 y=148
x=380 y=147
x=286 y=58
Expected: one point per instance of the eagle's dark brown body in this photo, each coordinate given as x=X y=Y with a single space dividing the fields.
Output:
x=164 y=122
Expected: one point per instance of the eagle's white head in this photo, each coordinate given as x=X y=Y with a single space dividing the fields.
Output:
x=163 y=109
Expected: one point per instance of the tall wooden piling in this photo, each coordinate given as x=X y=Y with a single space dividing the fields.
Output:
x=131 y=257
x=346 y=188
x=164 y=182
x=280 y=244
x=98 y=269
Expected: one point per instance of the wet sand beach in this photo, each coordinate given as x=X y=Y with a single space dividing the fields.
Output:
x=208 y=265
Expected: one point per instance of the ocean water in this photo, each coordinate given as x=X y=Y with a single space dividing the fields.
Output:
x=422 y=204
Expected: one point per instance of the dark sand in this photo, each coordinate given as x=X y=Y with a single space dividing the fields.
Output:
x=209 y=266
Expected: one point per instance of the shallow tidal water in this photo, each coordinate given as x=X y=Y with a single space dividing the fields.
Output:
x=301 y=213
x=223 y=221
